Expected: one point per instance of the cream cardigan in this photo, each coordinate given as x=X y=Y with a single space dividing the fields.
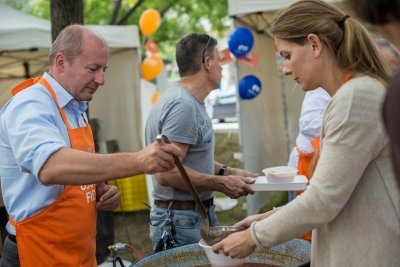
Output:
x=353 y=200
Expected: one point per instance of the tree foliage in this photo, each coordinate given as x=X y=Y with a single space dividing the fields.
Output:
x=178 y=16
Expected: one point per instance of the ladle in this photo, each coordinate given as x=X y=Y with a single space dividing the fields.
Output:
x=210 y=235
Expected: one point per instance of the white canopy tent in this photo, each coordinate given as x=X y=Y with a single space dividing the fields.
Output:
x=24 y=45
x=269 y=122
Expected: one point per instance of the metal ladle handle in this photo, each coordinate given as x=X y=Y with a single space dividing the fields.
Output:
x=206 y=223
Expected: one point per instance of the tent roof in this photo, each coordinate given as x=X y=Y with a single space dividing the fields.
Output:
x=19 y=30
x=22 y=31
x=243 y=7
x=25 y=41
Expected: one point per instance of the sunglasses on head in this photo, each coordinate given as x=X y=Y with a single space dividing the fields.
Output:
x=205 y=48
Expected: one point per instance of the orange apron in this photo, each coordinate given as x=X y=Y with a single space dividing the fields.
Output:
x=64 y=233
x=305 y=160
x=304 y=168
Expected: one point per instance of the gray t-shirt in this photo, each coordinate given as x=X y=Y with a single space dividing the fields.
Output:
x=183 y=119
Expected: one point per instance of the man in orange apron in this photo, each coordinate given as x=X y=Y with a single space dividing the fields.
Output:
x=52 y=181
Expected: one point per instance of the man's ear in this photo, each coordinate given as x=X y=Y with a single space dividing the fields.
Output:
x=207 y=64
x=207 y=59
x=316 y=44
x=59 y=62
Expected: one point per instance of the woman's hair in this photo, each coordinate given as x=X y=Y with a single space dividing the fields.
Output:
x=345 y=37
x=376 y=11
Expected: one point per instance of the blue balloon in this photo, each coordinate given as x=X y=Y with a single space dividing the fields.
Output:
x=241 y=41
x=249 y=87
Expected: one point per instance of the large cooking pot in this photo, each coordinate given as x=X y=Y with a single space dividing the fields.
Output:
x=291 y=253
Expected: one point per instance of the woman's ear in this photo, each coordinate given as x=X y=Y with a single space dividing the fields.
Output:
x=315 y=43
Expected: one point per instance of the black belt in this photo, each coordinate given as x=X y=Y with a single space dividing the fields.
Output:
x=13 y=238
x=181 y=205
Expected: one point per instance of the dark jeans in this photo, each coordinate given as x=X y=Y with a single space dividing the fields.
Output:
x=105 y=234
x=9 y=256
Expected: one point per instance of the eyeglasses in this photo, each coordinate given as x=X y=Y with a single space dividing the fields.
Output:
x=205 y=48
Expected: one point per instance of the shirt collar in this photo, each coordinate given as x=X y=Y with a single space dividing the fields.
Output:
x=63 y=96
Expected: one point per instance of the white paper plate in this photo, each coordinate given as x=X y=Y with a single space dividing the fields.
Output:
x=298 y=183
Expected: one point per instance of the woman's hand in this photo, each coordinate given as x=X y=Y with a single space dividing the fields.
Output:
x=246 y=222
x=236 y=245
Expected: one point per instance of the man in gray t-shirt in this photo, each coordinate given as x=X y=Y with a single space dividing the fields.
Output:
x=180 y=114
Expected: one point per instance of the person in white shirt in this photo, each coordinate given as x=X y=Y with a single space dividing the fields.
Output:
x=312 y=111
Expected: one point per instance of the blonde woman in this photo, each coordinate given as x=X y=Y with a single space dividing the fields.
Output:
x=352 y=203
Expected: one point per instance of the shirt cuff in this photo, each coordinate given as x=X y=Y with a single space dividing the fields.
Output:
x=254 y=236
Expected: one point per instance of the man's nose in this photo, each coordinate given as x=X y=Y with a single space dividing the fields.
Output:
x=100 y=78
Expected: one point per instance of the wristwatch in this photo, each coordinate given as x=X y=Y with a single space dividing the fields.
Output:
x=222 y=170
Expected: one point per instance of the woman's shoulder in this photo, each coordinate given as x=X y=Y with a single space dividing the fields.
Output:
x=363 y=89
x=362 y=94
x=364 y=84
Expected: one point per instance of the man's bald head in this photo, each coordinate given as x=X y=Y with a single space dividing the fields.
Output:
x=70 y=41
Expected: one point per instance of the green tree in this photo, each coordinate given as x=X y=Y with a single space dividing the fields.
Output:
x=178 y=16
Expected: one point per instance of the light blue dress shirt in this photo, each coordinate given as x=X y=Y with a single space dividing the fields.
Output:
x=31 y=130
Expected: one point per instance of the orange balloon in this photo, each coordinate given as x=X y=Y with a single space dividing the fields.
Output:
x=151 y=67
x=149 y=21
